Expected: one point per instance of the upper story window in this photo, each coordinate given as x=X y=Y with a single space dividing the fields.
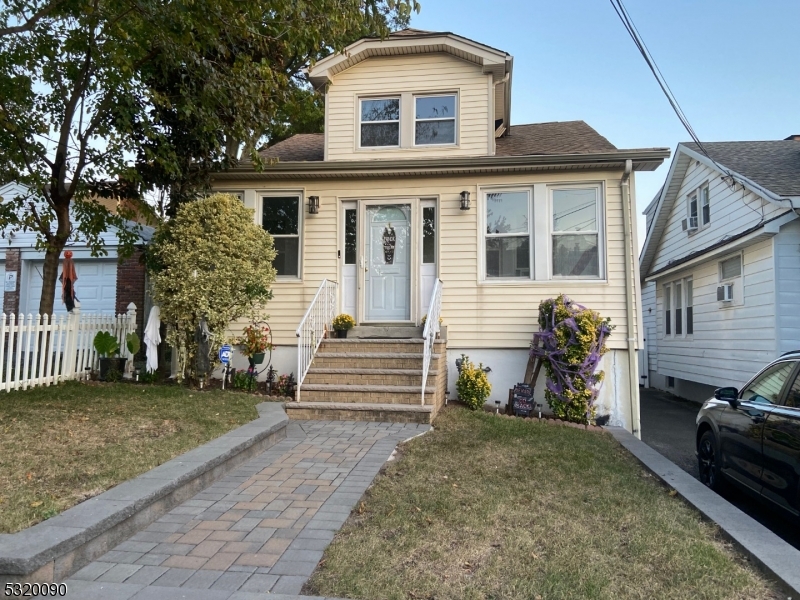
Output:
x=692 y=212
x=280 y=216
x=435 y=120
x=380 y=122
x=576 y=232
x=705 y=204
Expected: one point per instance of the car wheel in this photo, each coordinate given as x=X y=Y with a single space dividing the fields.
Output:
x=708 y=461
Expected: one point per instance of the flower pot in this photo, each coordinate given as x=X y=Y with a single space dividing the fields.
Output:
x=258 y=358
x=341 y=333
x=107 y=363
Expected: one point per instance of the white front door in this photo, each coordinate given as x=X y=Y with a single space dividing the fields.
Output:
x=388 y=270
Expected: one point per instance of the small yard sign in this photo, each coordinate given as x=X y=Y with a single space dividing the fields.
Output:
x=10 y=282
x=523 y=399
x=225 y=354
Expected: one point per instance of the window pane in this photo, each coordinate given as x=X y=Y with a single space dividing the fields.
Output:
x=507 y=212
x=350 y=236
x=435 y=132
x=693 y=207
x=436 y=107
x=280 y=215
x=667 y=310
x=689 y=307
x=380 y=134
x=678 y=321
x=575 y=210
x=678 y=296
x=429 y=234
x=767 y=388
x=288 y=258
x=386 y=109
x=731 y=267
x=508 y=257
x=576 y=256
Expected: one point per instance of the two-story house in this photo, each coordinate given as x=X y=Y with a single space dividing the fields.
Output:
x=720 y=266
x=421 y=195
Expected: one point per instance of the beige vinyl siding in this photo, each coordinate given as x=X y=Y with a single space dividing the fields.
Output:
x=414 y=74
x=732 y=211
x=478 y=315
x=787 y=277
x=730 y=343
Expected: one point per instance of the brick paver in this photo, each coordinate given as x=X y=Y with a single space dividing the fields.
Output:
x=263 y=527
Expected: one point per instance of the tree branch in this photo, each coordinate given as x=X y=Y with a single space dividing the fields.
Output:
x=31 y=22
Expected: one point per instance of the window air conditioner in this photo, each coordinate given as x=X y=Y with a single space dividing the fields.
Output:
x=689 y=224
x=725 y=292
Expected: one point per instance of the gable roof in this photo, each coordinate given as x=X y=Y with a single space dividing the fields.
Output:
x=769 y=169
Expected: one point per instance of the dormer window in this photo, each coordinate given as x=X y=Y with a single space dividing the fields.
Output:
x=434 y=120
x=380 y=122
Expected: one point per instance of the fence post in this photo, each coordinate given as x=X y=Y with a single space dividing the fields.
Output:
x=71 y=344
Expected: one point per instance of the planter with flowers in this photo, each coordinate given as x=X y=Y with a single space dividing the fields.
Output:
x=255 y=342
x=342 y=324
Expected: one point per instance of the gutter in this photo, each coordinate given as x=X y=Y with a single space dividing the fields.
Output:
x=630 y=292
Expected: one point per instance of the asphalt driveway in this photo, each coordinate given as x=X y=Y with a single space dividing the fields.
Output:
x=668 y=426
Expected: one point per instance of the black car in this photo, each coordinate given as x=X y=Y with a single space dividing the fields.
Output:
x=751 y=437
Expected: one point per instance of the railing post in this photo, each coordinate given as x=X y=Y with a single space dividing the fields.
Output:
x=71 y=343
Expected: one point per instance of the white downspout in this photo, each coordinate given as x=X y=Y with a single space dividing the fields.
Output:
x=630 y=299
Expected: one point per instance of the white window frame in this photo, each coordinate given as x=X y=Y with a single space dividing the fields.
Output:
x=671 y=293
x=484 y=193
x=454 y=118
x=688 y=302
x=399 y=120
x=668 y=310
x=693 y=197
x=599 y=231
x=704 y=199
x=300 y=226
x=735 y=277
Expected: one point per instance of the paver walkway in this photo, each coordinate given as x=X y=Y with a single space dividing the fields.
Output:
x=262 y=528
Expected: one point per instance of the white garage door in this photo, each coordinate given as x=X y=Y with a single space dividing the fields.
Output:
x=96 y=287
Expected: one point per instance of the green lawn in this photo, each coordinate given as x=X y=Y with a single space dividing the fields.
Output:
x=63 y=444
x=487 y=507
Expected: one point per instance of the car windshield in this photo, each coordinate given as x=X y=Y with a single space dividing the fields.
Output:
x=766 y=388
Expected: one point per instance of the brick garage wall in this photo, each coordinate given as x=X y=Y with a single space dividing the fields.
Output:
x=131 y=288
x=11 y=299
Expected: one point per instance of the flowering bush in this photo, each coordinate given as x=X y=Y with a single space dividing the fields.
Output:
x=210 y=261
x=343 y=322
x=255 y=340
x=473 y=386
x=571 y=341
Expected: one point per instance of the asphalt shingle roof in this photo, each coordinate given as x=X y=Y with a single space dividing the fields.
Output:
x=561 y=137
x=774 y=165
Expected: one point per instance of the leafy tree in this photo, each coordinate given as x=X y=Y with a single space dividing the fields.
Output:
x=211 y=261
x=90 y=89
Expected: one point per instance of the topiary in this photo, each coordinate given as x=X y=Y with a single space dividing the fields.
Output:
x=472 y=385
x=571 y=341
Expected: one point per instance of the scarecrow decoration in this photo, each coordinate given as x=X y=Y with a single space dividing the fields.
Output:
x=68 y=278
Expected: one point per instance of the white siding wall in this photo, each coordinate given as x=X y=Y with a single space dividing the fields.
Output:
x=732 y=211
x=394 y=75
x=649 y=317
x=730 y=343
x=787 y=265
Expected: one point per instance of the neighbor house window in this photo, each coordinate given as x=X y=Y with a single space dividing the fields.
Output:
x=576 y=232
x=508 y=234
x=667 y=310
x=380 y=122
x=730 y=268
x=678 y=308
x=692 y=211
x=705 y=204
x=280 y=216
x=435 y=120
x=689 y=307
x=428 y=234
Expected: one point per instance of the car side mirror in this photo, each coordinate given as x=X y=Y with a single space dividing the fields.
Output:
x=729 y=394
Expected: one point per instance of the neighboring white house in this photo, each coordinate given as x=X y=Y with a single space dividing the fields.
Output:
x=720 y=267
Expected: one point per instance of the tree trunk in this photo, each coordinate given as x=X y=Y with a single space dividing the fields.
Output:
x=55 y=244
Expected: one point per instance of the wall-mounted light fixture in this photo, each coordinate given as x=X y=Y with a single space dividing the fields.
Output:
x=313 y=205
x=465 y=200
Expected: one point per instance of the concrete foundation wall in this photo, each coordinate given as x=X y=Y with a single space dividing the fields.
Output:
x=690 y=390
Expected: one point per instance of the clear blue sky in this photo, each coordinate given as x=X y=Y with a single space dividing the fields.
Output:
x=734 y=66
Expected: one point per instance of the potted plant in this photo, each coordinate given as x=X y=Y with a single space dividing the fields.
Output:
x=107 y=347
x=342 y=323
x=255 y=343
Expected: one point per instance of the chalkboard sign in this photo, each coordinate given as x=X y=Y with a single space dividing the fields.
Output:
x=523 y=400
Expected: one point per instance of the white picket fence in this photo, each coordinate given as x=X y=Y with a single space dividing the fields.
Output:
x=47 y=349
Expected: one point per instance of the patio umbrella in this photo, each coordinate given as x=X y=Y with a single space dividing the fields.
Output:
x=152 y=338
x=68 y=278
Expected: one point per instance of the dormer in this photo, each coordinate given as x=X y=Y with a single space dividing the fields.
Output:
x=414 y=94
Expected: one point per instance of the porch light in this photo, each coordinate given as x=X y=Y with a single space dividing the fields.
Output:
x=313 y=205
x=465 y=200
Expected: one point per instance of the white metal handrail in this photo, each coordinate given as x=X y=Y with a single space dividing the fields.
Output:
x=317 y=320
x=430 y=331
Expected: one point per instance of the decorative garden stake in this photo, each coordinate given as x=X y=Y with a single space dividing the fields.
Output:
x=571 y=341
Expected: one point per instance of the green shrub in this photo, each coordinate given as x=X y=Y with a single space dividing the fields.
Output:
x=243 y=381
x=473 y=386
x=106 y=344
x=113 y=375
x=343 y=322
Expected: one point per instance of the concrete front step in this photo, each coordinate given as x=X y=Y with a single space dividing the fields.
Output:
x=369 y=360
x=334 y=411
x=360 y=394
x=408 y=377
x=367 y=346
x=384 y=332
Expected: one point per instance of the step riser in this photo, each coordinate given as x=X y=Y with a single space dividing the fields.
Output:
x=339 y=362
x=316 y=414
x=370 y=347
x=365 y=379
x=365 y=397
